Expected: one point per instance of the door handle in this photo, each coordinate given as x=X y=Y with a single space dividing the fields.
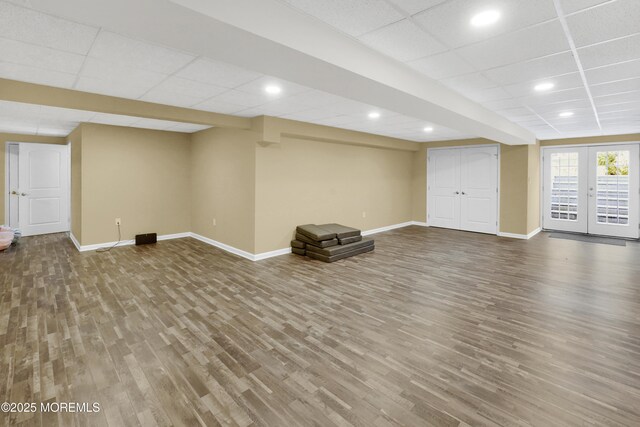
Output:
x=463 y=193
x=457 y=192
x=23 y=194
x=15 y=193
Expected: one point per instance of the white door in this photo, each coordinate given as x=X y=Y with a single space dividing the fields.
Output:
x=462 y=188
x=443 y=188
x=613 y=190
x=479 y=189
x=592 y=190
x=565 y=189
x=44 y=188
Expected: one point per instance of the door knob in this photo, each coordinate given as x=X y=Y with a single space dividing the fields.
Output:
x=463 y=193
x=23 y=194
x=15 y=193
x=457 y=192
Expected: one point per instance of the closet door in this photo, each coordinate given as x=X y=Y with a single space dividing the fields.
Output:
x=479 y=189
x=443 y=188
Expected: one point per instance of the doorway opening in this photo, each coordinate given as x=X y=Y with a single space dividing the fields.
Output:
x=37 y=187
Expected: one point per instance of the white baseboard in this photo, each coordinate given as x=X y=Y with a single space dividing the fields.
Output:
x=521 y=236
x=87 y=248
x=387 y=228
x=223 y=246
x=231 y=249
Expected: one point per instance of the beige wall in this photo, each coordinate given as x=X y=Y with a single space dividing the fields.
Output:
x=138 y=175
x=11 y=137
x=223 y=186
x=75 y=138
x=518 y=194
x=302 y=181
x=533 y=203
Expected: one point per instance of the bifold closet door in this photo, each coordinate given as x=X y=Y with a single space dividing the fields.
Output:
x=462 y=189
x=479 y=189
x=443 y=188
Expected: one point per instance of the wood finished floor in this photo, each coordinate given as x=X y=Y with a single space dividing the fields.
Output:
x=435 y=327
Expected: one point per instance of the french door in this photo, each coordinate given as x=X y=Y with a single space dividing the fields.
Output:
x=462 y=188
x=592 y=190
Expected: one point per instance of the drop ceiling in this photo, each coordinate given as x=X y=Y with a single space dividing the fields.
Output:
x=499 y=66
x=496 y=67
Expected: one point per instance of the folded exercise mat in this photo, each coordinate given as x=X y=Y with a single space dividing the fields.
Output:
x=315 y=233
x=347 y=240
x=335 y=250
x=298 y=251
x=341 y=231
x=298 y=244
x=311 y=242
x=343 y=255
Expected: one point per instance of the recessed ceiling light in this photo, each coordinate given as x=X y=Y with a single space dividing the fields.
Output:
x=543 y=87
x=428 y=129
x=273 y=89
x=566 y=114
x=374 y=115
x=485 y=18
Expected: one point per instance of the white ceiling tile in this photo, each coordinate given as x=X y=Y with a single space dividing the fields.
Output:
x=403 y=40
x=29 y=74
x=617 y=98
x=26 y=25
x=314 y=98
x=217 y=73
x=181 y=92
x=19 y=109
x=608 y=21
x=567 y=81
x=153 y=124
x=10 y=125
x=571 y=6
x=113 y=75
x=517 y=46
x=536 y=69
x=122 y=89
x=443 y=65
x=623 y=70
x=257 y=87
x=118 y=49
x=487 y=95
x=215 y=105
x=354 y=17
x=242 y=98
x=613 y=108
x=40 y=57
x=412 y=7
x=339 y=120
x=580 y=104
x=616 y=87
x=467 y=83
x=311 y=115
x=619 y=50
x=555 y=97
x=450 y=21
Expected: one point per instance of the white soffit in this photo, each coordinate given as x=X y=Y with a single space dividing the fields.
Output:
x=31 y=119
x=290 y=45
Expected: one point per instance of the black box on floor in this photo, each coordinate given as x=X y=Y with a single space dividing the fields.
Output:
x=145 y=239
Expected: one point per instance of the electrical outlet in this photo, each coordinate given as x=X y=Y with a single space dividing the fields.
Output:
x=214 y=222
x=118 y=221
x=364 y=214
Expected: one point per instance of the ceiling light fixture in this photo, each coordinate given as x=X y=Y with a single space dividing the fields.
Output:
x=566 y=114
x=485 y=18
x=374 y=115
x=273 y=89
x=428 y=129
x=541 y=87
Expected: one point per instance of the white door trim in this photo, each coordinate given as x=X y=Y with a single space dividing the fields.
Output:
x=426 y=177
x=6 y=181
